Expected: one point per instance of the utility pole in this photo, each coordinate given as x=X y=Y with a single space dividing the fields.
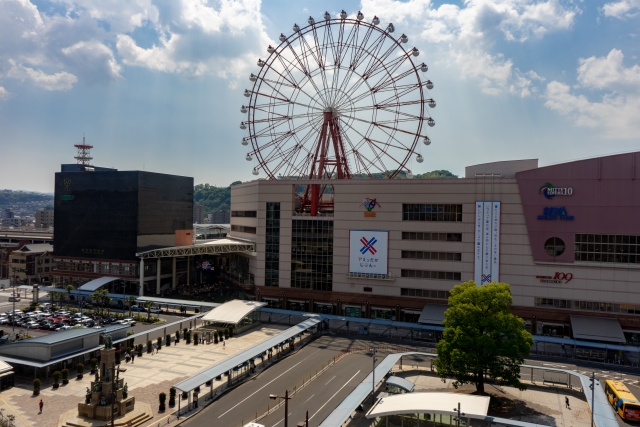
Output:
x=373 y=376
x=459 y=414
x=593 y=392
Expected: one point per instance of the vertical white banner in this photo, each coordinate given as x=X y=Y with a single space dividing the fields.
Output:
x=495 y=243
x=477 y=271
x=486 y=242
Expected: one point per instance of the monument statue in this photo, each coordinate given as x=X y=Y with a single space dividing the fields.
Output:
x=107 y=375
x=117 y=385
x=103 y=401
x=108 y=341
x=97 y=377
x=97 y=387
x=125 y=391
x=87 y=396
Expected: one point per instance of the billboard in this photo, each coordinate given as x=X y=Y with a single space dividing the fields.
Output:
x=368 y=251
x=204 y=264
x=487 y=242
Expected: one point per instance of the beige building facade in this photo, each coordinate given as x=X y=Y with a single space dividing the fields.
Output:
x=557 y=242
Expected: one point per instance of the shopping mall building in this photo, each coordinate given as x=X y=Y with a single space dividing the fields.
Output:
x=566 y=237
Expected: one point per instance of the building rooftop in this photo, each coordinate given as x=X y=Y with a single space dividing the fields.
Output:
x=430 y=403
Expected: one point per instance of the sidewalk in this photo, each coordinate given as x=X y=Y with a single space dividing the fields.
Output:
x=146 y=378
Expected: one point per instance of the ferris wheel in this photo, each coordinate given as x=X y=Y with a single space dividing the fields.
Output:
x=338 y=99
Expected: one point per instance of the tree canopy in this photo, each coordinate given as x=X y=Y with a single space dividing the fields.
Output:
x=482 y=339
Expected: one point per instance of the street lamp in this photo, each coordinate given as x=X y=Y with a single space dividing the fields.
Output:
x=373 y=376
x=286 y=405
x=457 y=419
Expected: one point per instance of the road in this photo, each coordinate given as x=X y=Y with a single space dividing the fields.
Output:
x=322 y=396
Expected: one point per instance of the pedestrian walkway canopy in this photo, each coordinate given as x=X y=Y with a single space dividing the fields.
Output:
x=220 y=246
x=95 y=284
x=256 y=351
x=405 y=385
x=232 y=312
x=597 y=329
x=430 y=403
x=433 y=314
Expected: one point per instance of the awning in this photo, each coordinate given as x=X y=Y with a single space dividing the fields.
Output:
x=93 y=285
x=213 y=247
x=433 y=314
x=232 y=312
x=402 y=383
x=597 y=329
x=430 y=403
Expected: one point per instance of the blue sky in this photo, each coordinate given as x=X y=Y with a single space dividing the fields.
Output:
x=158 y=84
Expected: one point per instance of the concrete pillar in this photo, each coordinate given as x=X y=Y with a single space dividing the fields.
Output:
x=188 y=268
x=158 y=275
x=141 y=291
x=173 y=277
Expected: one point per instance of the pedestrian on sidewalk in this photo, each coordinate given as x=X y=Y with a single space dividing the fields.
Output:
x=41 y=404
x=566 y=402
x=223 y=344
x=133 y=357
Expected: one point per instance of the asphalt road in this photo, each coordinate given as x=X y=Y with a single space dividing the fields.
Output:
x=322 y=396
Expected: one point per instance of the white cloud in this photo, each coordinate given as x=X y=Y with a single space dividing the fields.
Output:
x=467 y=34
x=93 y=61
x=616 y=115
x=622 y=9
x=4 y=94
x=56 y=81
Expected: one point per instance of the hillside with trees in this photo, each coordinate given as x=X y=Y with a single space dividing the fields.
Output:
x=213 y=198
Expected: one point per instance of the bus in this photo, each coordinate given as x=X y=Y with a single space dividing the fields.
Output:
x=622 y=400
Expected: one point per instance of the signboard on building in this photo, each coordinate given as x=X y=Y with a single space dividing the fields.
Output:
x=487 y=242
x=368 y=251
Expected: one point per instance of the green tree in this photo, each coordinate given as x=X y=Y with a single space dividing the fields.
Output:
x=99 y=297
x=131 y=299
x=107 y=302
x=481 y=338
x=69 y=288
x=147 y=306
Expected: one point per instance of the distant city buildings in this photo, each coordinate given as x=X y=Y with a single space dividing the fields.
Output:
x=44 y=218
x=14 y=222
x=198 y=214
x=31 y=262
x=6 y=213
x=222 y=216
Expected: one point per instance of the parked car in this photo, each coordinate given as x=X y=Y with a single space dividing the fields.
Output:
x=137 y=308
x=155 y=309
x=32 y=324
x=14 y=299
x=128 y=322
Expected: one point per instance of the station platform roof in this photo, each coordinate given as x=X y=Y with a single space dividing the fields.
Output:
x=430 y=403
x=212 y=247
x=232 y=312
x=402 y=383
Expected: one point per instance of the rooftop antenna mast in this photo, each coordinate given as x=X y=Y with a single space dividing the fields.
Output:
x=84 y=153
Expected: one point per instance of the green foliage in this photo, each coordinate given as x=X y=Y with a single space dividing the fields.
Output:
x=94 y=364
x=149 y=346
x=37 y=384
x=435 y=175
x=187 y=337
x=212 y=198
x=159 y=342
x=482 y=339
x=56 y=377
x=163 y=398
x=177 y=337
x=195 y=338
x=80 y=368
x=167 y=340
x=172 y=396
x=8 y=197
x=65 y=374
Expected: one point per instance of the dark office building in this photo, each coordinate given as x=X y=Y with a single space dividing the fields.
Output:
x=103 y=217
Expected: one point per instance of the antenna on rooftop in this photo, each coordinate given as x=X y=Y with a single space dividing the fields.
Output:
x=84 y=153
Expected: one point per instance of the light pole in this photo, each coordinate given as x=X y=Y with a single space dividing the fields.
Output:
x=459 y=414
x=373 y=376
x=592 y=386
x=286 y=405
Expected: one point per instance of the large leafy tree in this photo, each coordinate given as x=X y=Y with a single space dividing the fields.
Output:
x=482 y=339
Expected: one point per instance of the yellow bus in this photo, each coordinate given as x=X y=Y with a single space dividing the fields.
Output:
x=622 y=400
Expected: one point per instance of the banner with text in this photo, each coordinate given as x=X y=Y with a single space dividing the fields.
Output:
x=487 y=242
x=368 y=251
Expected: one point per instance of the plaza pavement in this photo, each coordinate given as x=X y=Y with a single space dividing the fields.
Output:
x=146 y=378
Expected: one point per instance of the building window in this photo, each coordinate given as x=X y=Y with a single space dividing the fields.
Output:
x=554 y=246
x=442 y=237
x=440 y=256
x=272 y=248
x=430 y=212
x=588 y=305
x=243 y=229
x=312 y=254
x=424 y=293
x=437 y=275
x=246 y=214
x=614 y=248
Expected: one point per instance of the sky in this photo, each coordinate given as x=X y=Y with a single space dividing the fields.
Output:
x=157 y=85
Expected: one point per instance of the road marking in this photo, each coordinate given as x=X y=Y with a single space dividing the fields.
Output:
x=309 y=398
x=281 y=420
x=334 y=395
x=329 y=381
x=268 y=384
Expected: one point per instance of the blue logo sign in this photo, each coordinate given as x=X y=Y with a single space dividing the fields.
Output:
x=552 y=213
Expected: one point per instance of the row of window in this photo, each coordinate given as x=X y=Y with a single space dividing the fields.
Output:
x=587 y=305
x=424 y=293
x=272 y=247
x=441 y=256
x=614 y=248
x=246 y=214
x=312 y=255
x=243 y=229
x=441 y=237
x=439 y=275
x=97 y=267
x=432 y=212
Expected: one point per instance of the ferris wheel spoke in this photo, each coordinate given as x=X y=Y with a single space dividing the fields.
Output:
x=392 y=80
x=401 y=146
